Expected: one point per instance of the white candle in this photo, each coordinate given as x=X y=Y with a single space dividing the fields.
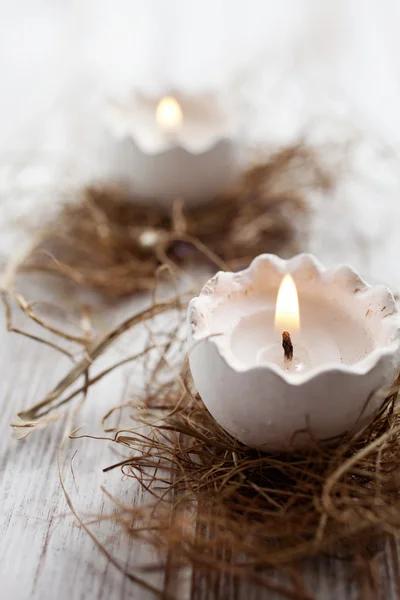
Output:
x=315 y=343
x=176 y=146
x=287 y=325
x=346 y=348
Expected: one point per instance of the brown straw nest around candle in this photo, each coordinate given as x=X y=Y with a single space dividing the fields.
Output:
x=112 y=242
x=226 y=511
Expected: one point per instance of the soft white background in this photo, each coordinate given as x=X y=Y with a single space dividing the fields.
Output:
x=330 y=69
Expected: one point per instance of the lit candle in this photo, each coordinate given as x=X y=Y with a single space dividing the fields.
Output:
x=287 y=324
x=169 y=114
x=175 y=146
x=287 y=352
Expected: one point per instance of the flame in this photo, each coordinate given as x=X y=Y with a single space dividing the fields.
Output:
x=169 y=114
x=287 y=315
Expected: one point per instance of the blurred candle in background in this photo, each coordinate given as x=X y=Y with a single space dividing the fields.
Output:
x=178 y=146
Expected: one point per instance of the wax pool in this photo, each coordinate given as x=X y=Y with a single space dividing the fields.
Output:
x=327 y=335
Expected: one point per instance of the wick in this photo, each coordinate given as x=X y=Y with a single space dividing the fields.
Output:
x=287 y=345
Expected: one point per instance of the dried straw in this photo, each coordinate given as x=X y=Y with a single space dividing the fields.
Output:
x=113 y=243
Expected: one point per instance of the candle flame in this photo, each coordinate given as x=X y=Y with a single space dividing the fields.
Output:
x=169 y=114
x=287 y=315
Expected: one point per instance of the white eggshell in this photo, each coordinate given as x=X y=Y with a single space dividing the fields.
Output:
x=178 y=173
x=196 y=162
x=262 y=405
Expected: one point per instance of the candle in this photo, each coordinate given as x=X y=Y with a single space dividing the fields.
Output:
x=287 y=324
x=287 y=352
x=288 y=345
x=169 y=115
x=175 y=146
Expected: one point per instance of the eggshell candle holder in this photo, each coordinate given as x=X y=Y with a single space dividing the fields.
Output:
x=349 y=328
x=195 y=161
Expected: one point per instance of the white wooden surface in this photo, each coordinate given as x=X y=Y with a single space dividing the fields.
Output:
x=43 y=553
